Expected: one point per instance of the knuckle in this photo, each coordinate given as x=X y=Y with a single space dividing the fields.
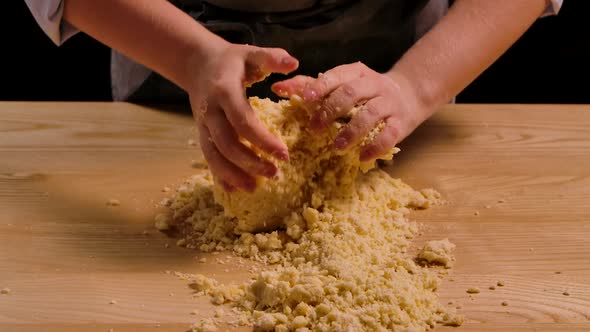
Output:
x=372 y=111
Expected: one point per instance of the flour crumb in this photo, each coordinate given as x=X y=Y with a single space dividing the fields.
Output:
x=473 y=290
x=5 y=291
x=113 y=302
x=438 y=252
x=566 y=293
x=161 y=222
x=500 y=283
x=113 y=202
x=504 y=304
x=205 y=325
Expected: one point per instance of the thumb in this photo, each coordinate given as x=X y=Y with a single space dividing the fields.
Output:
x=292 y=86
x=272 y=60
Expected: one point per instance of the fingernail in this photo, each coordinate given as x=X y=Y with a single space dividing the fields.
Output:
x=227 y=187
x=309 y=94
x=340 y=143
x=269 y=170
x=287 y=61
x=316 y=125
x=282 y=155
x=250 y=185
x=366 y=154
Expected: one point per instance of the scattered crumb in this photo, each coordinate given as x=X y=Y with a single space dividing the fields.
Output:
x=500 y=283
x=501 y=201
x=476 y=213
x=113 y=302
x=166 y=189
x=531 y=249
x=113 y=202
x=171 y=294
x=504 y=303
x=145 y=232
x=459 y=307
x=205 y=325
x=557 y=272
x=439 y=252
x=488 y=206
x=161 y=222
x=181 y=242
x=198 y=164
x=219 y=313
x=191 y=142
x=492 y=287
x=451 y=303
x=473 y=290
x=111 y=330
x=202 y=260
x=166 y=245
x=195 y=312
x=566 y=293
x=5 y=291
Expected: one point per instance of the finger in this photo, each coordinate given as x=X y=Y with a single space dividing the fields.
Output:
x=384 y=141
x=227 y=187
x=271 y=60
x=333 y=78
x=367 y=118
x=341 y=101
x=292 y=86
x=223 y=169
x=229 y=94
x=228 y=143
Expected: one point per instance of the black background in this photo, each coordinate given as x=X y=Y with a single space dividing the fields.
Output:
x=549 y=64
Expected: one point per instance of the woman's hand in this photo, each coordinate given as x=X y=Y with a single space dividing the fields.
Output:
x=224 y=115
x=382 y=98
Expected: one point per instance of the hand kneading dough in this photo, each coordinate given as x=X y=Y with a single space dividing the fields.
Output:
x=314 y=168
x=337 y=241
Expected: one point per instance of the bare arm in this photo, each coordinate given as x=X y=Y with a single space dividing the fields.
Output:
x=459 y=48
x=211 y=70
x=152 y=32
x=467 y=40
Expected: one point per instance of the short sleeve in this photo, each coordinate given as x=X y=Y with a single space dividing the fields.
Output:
x=49 y=16
x=553 y=7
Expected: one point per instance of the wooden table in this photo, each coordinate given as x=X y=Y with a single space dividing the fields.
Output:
x=517 y=178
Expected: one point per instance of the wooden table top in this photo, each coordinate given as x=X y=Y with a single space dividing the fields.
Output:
x=517 y=178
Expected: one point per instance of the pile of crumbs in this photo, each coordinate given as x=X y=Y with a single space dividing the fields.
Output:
x=332 y=233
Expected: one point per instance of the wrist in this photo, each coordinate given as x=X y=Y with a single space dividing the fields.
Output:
x=414 y=99
x=197 y=56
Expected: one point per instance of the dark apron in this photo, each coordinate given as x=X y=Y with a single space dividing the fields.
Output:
x=321 y=36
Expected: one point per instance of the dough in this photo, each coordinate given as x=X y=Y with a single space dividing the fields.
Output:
x=336 y=240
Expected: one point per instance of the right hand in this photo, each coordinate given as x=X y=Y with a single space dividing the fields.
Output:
x=223 y=114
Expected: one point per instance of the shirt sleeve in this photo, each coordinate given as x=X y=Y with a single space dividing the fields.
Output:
x=553 y=7
x=49 y=16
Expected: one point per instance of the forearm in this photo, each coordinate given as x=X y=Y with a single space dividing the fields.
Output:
x=152 y=32
x=467 y=40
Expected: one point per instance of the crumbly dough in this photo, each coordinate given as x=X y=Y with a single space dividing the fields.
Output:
x=438 y=252
x=336 y=240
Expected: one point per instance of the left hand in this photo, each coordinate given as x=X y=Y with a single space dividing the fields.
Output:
x=383 y=98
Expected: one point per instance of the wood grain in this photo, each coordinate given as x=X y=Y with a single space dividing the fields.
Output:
x=517 y=179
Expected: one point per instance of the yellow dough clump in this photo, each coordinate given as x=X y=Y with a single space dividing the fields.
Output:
x=335 y=239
